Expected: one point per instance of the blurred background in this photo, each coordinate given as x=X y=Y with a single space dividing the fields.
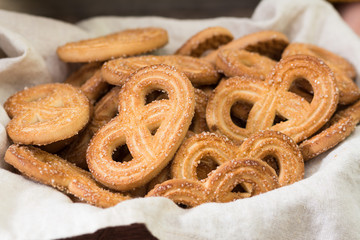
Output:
x=76 y=10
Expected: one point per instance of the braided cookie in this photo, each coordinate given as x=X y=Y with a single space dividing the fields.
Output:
x=207 y=39
x=344 y=71
x=135 y=124
x=198 y=71
x=220 y=185
x=125 y=43
x=261 y=145
x=271 y=98
x=46 y=114
x=54 y=171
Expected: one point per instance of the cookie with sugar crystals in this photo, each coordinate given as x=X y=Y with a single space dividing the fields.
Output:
x=46 y=113
x=125 y=43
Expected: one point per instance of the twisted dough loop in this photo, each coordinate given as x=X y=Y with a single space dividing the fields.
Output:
x=54 y=171
x=134 y=126
x=272 y=97
x=219 y=186
x=258 y=146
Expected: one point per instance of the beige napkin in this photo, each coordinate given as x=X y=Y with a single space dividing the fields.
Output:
x=325 y=205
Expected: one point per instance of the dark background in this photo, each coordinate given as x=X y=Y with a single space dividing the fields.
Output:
x=75 y=10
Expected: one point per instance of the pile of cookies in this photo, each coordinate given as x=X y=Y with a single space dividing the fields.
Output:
x=221 y=119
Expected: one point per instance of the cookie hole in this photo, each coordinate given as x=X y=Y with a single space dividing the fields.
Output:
x=182 y=205
x=239 y=113
x=197 y=123
x=193 y=124
x=303 y=88
x=279 y=119
x=206 y=165
x=153 y=131
x=209 y=45
x=155 y=95
x=121 y=154
x=239 y=188
x=273 y=162
x=271 y=49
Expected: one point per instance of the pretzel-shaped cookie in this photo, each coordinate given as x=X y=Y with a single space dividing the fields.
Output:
x=134 y=126
x=220 y=185
x=54 y=171
x=46 y=114
x=260 y=145
x=272 y=97
x=198 y=71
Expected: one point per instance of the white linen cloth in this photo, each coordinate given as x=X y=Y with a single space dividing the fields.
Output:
x=325 y=205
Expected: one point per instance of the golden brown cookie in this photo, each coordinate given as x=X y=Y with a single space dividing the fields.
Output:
x=234 y=62
x=54 y=171
x=221 y=185
x=46 y=113
x=261 y=145
x=266 y=43
x=81 y=75
x=271 y=98
x=340 y=126
x=152 y=132
x=207 y=39
x=198 y=71
x=343 y=70
x=125 y=43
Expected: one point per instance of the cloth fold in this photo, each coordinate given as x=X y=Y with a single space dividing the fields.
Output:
x=322 y=206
